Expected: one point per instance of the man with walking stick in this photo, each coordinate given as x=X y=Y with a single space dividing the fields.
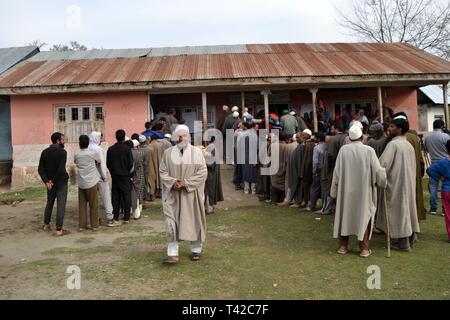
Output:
x=400 y=163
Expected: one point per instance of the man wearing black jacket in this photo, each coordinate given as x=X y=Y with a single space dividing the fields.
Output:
x=52 y=170
x=120 y=164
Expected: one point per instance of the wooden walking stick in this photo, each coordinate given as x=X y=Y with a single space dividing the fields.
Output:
x=388 y=225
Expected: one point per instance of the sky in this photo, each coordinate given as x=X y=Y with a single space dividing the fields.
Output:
x=160 y=23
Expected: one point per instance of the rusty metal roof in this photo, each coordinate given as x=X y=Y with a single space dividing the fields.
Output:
x=258 y=61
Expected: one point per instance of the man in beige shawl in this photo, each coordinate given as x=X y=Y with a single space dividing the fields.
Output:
x=356 y=177
x=183 y=175
x=400 y=163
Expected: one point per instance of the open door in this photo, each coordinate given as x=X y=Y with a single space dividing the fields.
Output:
x=6 y=154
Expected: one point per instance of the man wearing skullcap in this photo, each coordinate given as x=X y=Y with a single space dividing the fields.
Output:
x=413 y=139
x=183 y=174
x=400 y=163
x=355 y=192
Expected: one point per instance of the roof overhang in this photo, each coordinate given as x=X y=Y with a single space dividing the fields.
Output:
x=243 y=84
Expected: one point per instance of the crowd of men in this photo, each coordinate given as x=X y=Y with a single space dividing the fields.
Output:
x=364 y=175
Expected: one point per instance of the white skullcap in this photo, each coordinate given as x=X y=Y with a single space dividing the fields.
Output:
x=308 y=132
x=168 y=136
x=236 y=114
x=226 y=108
x=136 y=143
x=142 y=138
x=293 y=113
x=355 y=133
x=235 y=109
x=401 y=117
x=357 y=123
x=181 y=128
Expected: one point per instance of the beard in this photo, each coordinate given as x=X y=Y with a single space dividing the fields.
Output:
x=182 y=145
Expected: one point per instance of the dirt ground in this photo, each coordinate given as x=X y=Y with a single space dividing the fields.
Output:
x=24 y=248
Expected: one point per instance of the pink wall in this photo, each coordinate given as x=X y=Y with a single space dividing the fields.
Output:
x=32 y=116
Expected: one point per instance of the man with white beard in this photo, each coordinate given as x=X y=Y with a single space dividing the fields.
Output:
x=183 y=175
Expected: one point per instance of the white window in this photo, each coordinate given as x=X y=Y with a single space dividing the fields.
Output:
x=76 y=120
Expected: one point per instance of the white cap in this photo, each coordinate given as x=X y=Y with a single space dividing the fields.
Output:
x=235 y=109
x=226 y=108
x=355 y=133
x=308 y=132
x=136 y=143
x=236 y=114
x=168 y=136
x=357 y=123
x=293 y=113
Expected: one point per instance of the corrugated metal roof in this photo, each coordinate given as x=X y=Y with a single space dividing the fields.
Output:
x=260 y=61
x=9 y=57
x=435 y=93
x=197 y=50
x=90 y=54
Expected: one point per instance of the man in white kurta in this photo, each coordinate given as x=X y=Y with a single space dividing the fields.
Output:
x=356 y=177
x=400 y=162
x=183 y=175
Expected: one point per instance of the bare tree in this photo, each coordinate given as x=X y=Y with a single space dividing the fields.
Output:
x=38 y=43
x=422 y=23
x=72 y=46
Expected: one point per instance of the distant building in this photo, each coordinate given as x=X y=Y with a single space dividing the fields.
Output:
x=9 y=57
x=431 y=106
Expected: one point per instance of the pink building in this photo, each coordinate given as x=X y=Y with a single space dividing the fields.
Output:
x=105 y=90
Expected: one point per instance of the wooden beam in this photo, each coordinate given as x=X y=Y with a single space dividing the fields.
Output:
x=266 y=93
x=243 y=100
x=205 y=112
x=314 y=105
x=380 y=103
x=446 y=111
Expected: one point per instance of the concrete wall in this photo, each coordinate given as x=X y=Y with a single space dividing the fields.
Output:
x=33 y=124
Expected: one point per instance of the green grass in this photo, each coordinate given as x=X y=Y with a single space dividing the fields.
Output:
x=257 y=253
x=268 y=253
x=28 y=194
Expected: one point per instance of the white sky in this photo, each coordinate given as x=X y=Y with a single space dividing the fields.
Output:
x=159 y=23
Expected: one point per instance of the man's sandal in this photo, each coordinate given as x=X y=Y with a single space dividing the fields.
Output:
x=342 y=251
x=171 y=260
x=366 y=253
x=196 y=257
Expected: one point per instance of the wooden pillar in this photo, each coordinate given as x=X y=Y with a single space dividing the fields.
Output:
x=446 y=111
x=380 y=103
x=243 y=100
x=205 y=112
x=266 y=93
x=314 y=106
